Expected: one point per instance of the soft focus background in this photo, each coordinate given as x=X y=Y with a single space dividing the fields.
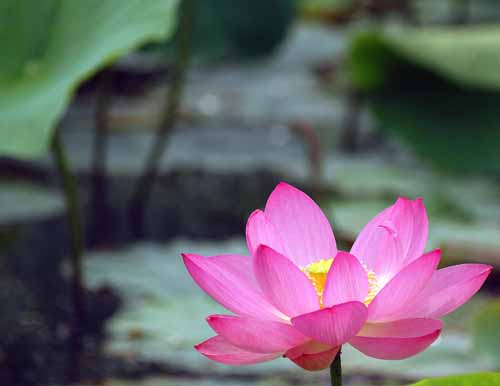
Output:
x=179 y=118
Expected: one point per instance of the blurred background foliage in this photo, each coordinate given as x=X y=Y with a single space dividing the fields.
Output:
x=50 y=47
x=473 y=379
x=160 y=125
x=433 y=88
x=248 y=30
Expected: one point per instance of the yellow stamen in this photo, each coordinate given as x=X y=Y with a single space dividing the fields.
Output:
x=373 y=286
x=317 y=273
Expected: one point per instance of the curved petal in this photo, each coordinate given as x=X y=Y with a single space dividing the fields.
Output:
x=448 y=289
x=390 y=250
x=304 y=228
x=399 y=231
x=346 y=281
x=256 y=335
x=390 y=302
x=420 y=231
x=309 y=347
x=405 y=328
x=334 y=325
x=283 y=284
x=226 y=280
x=260 y=231
x=314 y=361
x=366 y=246
x=393 y=348
x=220 y=350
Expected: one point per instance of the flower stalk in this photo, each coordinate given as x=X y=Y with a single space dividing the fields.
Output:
x=143 y=188
x=99 y=197
x=336 y=371
x=77 y=280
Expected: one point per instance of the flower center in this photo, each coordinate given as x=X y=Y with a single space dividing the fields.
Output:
x=373 y=285
x=317 y=273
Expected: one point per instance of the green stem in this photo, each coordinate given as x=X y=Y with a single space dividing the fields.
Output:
x=99 y=201
x=336 y=371
x=77 y=280
x=349 y=133
x=143 y=188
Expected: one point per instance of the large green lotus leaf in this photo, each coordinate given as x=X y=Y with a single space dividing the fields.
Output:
x=486 y=333
x=49 y=47
x=480 y=379
x=437 y=91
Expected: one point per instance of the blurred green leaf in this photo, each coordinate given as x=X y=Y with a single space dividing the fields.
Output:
x=480 y=379
x=469 y=56
x=50 y=46
x=451 y=131
x=486 y=333
x=371 y=59
x=438 y=90
x=256 y=27
x=237 y=28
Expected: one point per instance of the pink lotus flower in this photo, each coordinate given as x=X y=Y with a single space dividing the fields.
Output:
x=297 y=296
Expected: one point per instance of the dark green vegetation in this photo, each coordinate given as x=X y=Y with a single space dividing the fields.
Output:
x=436 y=89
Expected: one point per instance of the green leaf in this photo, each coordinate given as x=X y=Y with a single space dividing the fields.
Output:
x=480 y=379
x=239 y=29
x=486 y=333
x=469 y=56
x=437 y=90
x=454 y=131
x=256 y=27
x=371 y=59
x=50 y=46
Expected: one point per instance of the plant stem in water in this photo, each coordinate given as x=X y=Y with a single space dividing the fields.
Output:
x=77 y=281
x=99 y=204
x=142 y=191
